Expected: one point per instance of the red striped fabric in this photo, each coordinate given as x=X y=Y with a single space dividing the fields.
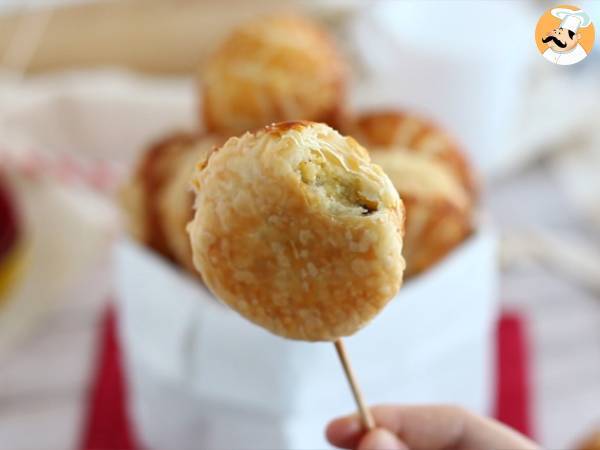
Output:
x=513 y=382
x=107 y=425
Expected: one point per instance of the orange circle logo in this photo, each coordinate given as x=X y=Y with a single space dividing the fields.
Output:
x=565 y=35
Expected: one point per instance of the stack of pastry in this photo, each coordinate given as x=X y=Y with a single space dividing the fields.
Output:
x=433 y=179
x=157 y=199
x=269 y=70
x=286 y=68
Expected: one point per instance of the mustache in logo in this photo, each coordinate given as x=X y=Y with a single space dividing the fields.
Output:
x=556 y=41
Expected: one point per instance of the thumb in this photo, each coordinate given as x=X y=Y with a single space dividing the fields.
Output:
x=380 y=439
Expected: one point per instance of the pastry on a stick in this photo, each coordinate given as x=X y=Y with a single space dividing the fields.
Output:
x=298 y=231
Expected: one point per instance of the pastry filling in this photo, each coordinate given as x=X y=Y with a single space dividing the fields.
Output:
x=341 y=189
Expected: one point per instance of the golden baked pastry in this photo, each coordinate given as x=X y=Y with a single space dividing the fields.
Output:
x=432 y=176
x=438 y=209
x=396 y=129
x=269 y=70
x=158 y=200
x=298 y=231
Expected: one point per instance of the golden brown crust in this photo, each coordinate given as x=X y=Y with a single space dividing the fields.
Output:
x=175 y=203
x=273 y=69
x=158 y=200
x=432 y=176
x=155 y=170
x=396 y=129
x=433 y=227
x=297 y=231
x=438 y=209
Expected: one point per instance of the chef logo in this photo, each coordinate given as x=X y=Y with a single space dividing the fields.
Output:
x=565 y=35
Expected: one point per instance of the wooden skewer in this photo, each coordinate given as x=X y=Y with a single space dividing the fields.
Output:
x=365 y=413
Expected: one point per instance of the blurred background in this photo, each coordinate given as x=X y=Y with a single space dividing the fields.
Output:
x=86 y=86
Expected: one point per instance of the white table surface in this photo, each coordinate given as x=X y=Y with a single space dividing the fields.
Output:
x=43 y=385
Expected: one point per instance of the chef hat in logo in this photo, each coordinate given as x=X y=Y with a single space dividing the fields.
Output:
x=572 y=20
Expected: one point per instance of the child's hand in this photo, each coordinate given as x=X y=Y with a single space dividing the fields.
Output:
x=427 y=428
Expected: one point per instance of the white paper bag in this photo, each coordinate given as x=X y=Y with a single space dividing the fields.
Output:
x=201 y=376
